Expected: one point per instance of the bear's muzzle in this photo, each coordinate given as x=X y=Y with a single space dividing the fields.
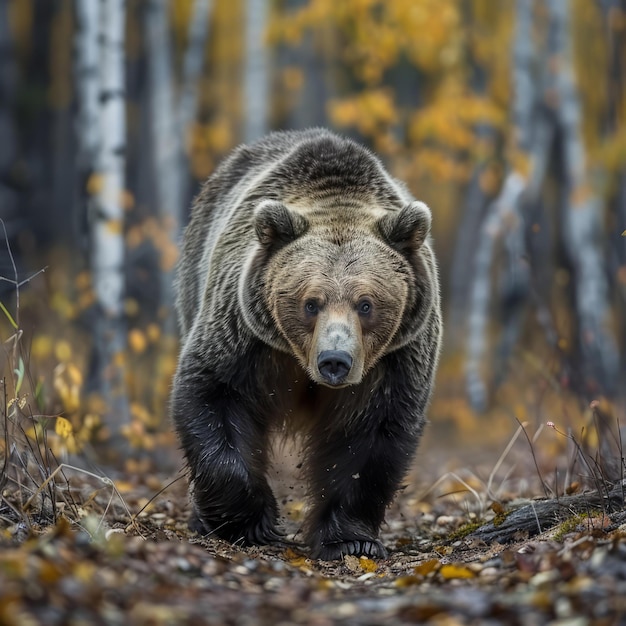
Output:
x=334 y=365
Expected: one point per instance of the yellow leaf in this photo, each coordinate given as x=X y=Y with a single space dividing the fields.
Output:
x=63 y=351
x=75 y=375
x=114 y=226
x=408 y=581
x=425 y=568
x=63 y=428
x=451 y=571
x=367 y=565
x=41 y=347
x=94 y=184
x=124 y=486
x=49 y=573
x=153 y=332
x=84 y=571
x=137 y=341
x=127 y=200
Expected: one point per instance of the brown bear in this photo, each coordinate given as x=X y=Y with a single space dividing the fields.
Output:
x=308 y=301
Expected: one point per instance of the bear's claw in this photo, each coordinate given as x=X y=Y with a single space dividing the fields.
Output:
x=335 y=550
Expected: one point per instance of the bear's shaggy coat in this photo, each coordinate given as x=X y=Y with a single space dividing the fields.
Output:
x=308 y=300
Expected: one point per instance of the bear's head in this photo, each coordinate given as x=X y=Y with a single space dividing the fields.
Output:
x=338 y=295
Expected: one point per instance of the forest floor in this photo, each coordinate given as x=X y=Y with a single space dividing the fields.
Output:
x=120 y=553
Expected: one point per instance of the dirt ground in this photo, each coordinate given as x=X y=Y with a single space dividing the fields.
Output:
x=125 y=556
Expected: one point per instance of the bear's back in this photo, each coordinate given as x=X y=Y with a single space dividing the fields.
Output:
x=303 y=168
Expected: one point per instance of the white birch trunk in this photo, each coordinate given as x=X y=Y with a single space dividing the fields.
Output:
x=545 y=103
x=502 y=212
x=87 y=78
x=107 y=219
x=256 y=73
x=582 y=216
x=171 y=115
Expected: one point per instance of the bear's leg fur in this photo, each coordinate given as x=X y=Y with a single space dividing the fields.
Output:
x=354 y=479
x=356 y=471
x=225 y=443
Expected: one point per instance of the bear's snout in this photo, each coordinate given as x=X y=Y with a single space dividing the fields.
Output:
x=334 y=365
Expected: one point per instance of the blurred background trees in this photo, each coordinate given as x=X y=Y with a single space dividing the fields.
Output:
x=507 y=118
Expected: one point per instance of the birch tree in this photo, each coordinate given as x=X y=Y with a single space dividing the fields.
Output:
x=102 y=104
x=546 y=114
x=256 y=71
x=172 y=111
x=87 y=76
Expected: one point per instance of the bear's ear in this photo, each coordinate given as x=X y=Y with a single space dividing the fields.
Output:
x=276 y=225
x=407 y=229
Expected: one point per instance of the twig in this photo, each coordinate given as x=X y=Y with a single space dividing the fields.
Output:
x=532 y=451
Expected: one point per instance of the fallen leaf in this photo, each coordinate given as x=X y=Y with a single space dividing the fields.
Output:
x=451 y=571
x=367 y=565
x=425 y=568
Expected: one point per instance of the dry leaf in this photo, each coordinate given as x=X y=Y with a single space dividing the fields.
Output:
x=451 y=571
x=63 y=427
x=425 y=568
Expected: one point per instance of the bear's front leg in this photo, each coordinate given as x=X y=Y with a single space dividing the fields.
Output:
x=355 y=472
x=224 y=441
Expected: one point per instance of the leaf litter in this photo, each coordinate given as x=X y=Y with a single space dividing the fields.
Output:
x=137 y=563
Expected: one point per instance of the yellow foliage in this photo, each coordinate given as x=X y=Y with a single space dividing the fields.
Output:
x=141 y=413
x=368 y=111
x=41 y=347
x=60 y=303
x=63 y=351
x=137 y=436
x=131 y=307
x=114 y=227
x=95 y=183
x=292 y=78
x=63 y=428
x=153 y=332
x=67 y=383
x=83 y=280
x=137 y=341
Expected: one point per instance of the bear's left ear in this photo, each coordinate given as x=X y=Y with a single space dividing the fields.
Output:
x=407 y=229
x=276 y=225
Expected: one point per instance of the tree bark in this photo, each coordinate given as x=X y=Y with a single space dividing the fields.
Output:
x=107 y=218
x=87 y=79
x=172 y=114
x=256 y=73
x=193 y=63
x=542 y=515
x=546 y=117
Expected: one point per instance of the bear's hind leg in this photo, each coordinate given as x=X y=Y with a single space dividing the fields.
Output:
x=226 y=448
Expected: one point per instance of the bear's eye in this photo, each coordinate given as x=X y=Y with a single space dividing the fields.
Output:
x=311 y=307
x=364 y=307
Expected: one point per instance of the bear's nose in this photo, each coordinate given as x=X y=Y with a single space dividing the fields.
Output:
x=334 y=365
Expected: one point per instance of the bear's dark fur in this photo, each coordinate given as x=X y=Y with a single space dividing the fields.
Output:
x=308 y=301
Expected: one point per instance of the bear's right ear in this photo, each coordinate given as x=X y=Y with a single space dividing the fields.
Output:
x=276 y=225
x=406 y=229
